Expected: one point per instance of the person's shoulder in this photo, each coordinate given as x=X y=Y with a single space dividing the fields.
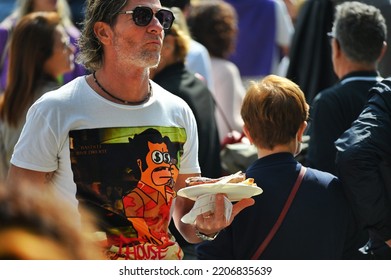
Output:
x=64 y=92
x=198 y=53
x=331 y=90
x=321 y=177
x=328 y=94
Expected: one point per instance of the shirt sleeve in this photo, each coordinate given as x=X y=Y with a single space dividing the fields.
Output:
x=37 y=147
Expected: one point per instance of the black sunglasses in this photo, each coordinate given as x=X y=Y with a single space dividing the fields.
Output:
x=142 y=16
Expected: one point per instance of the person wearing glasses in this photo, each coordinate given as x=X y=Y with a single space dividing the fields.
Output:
x=118 y=143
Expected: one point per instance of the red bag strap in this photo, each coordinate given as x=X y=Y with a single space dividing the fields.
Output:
x=285 y=209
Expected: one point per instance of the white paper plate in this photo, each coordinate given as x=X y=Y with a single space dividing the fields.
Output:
x=234 y=192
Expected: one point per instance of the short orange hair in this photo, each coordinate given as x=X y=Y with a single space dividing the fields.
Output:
x=273 y=111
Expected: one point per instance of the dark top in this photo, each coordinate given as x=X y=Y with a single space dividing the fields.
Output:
x=318 y=224
x=179 y=81
x=310 y=63
x=332 y=112
x=364 y=166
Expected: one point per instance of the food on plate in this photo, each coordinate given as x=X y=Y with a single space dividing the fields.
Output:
x=235 y=187
x=235 y=178
x=249 y=181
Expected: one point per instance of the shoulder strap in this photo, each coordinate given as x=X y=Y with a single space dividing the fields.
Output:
x=221 y=112
x=285 y=209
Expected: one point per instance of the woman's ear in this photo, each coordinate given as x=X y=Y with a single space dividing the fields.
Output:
x=247 y=134
x=301 y=130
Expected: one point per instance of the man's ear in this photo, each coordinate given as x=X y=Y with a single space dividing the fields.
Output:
x=103 y=32
x=383 y=51
x=337 y=47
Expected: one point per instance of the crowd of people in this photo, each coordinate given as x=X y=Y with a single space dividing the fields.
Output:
x=107 y=108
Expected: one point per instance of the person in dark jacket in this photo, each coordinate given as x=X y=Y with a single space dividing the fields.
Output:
x=363 y=165
x=358 y=40
x=310 y=66
x=319 y=223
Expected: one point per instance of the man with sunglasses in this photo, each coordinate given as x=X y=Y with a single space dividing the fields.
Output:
x=79 y=139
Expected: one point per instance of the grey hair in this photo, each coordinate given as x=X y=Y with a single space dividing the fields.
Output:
x=360 y=30
x=91 y=51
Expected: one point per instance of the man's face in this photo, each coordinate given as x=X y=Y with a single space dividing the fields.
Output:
x=138 y=45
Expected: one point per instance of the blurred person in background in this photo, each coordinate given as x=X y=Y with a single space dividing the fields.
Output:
x=24 y=7
x=264 y=38
x=197 y=58
x=214 y=24
x=309 y=63
x=36 y=226
x=42 y=46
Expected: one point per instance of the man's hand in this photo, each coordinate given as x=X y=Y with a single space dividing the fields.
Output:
x=210 y=223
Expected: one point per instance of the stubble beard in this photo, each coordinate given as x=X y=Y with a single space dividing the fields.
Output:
x=131 y=58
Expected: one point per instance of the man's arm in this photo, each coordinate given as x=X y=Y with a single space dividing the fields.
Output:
x=208 y=226
x=18 y=176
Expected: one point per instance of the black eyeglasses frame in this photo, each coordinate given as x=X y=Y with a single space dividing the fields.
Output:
x=142 y=22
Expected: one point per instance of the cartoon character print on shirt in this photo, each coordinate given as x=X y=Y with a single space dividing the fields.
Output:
x=148 y=205
x=133 y=183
